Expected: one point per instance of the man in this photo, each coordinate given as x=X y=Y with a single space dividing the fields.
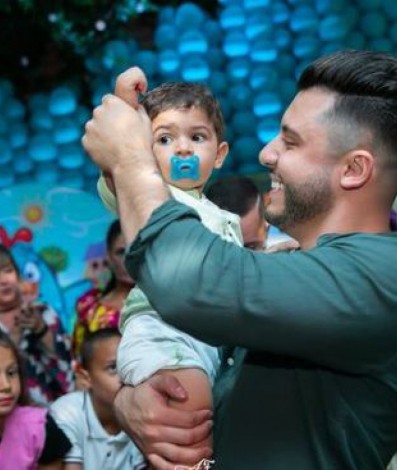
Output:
x=241 y=196
x=318 y=388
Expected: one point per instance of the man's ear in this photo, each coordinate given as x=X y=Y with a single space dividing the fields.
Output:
x=358 y=167
x=83 y=379
x=221 y=154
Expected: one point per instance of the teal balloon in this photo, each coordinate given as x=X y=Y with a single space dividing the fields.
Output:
x=165 y=37
x=259 y=24
x=7 y=176
x=169 y=61
x=67 y=130
x=393 y=32
x=329 y=7
x=267 y=104
x=390 y=9
x=263 y=50
x=18 y=135
x=232 y=17
x=355 y=40
x=280 y=13
x=22 y=163
x=47 y=172
x=240 y=96
x=90 y=170
x=283 y=38
x=116 y=56
x=333 y=28
x=263 y=77
x=192 y=42
x=246 y=150
x=267 y=129
x=71 y=156
x=368 y=4
x=14 y=109
x=373 y=24
x=166 y=15
x=238 y=69
x=72 y=179
x=236 y=44
x=4 y=125
x=304 y=19
x=254 y=4
x=218 y=82
x=38 y=101
x=42 y=148
x=306 y=47
x=244 y=123
x=212 y=31
x=41 y=119
x=195 y=69
x=189 y=15
x=147 y=61
x=215 y=58
x=382 y=45
x=62 y=101
x=5 y=151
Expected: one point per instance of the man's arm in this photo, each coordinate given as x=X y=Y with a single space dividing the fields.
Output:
x=119 y=140
x=305 y=304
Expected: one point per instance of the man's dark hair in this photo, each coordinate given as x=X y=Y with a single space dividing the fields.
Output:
x=184 y=95
x=236 y=194
x=91 y=340
x=365 y=83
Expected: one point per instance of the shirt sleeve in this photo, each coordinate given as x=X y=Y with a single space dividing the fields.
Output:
x=56 y=443
x=69 y=418
x=108 y=198
x=324 y=305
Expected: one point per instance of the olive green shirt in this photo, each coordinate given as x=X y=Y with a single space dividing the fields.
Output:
x=318 y=386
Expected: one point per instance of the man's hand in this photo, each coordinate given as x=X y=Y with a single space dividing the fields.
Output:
x=164 y=434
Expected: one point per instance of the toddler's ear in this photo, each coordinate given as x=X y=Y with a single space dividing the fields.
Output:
x=221 y=154
x=82 y=376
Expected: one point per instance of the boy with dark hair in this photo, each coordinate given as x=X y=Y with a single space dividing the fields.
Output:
x=87 y=417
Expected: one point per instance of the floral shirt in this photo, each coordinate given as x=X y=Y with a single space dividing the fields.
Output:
x=49 y=375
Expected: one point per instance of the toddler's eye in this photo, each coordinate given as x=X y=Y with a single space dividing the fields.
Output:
x=164 y=139
x=198 y=138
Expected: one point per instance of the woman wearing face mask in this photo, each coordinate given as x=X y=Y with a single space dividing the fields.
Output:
x=37 y=331
x=98 y=309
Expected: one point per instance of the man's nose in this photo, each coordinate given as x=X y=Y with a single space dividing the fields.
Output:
x=268 y=156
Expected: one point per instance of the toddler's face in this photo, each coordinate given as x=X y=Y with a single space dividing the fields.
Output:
x=10 y=383
x=186 y=147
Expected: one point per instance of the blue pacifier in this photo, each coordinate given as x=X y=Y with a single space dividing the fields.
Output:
x=185 y=168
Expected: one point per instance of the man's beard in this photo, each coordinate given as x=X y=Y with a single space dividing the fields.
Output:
x=302 y=202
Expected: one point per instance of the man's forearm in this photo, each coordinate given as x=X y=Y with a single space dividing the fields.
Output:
x=140 y=190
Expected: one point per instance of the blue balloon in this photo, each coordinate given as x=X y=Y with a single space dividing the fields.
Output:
x=253 y=4
x=41 y=119
x=212 y=31
x=282 y=38
x=18 y=135
x=90 y=170
x=5 y=151
x=7 y=177
x=38 y=101
x=192 y=42
x=6 y=90
x=304 y=19
x=147 y=61
x=189 y=15
x=195 y=69
x=390 y=9
x=165 y=36
x=42 y=148
x=333 y=27
x=267 y=104
x=240 y=96
x=373 y=24
x=232 y=17
x=250 y=168
x=369 y=4
x=244 y=123
x=382 y=45
x=71 y=156
x=218 y=82
x=116 y=56
x=355 y=40
x=14 y=109
x=4 y=125
x=238 y=69
x=306 y=47
x=82 y=115
x=67 y=130
x=286 y=63
x=62 y=101
x=393 y=32
x=236 y=44
x=327 y=7
x=260 y=24
x=263 y=77
x=47 y=172
x=215 y=58
x=226 y=108
x=22 y=163
x=268 y=128
x=287 y=89
x=166 y=15
x=280 y=12
x=99 y=88
x=246 y=150
x=263 y=50
x=72 y=179
x=169 y=61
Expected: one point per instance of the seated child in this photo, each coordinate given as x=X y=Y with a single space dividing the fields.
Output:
x=87 y=417
x=187 y=130
x=29 y=437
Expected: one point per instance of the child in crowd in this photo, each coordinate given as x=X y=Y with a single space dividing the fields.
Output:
x=87 y=417
x=29 y=437
x=187 y=127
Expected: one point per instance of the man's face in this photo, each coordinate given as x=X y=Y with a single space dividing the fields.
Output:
x=180 y=136
x=301 y=163
x=253 y=228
